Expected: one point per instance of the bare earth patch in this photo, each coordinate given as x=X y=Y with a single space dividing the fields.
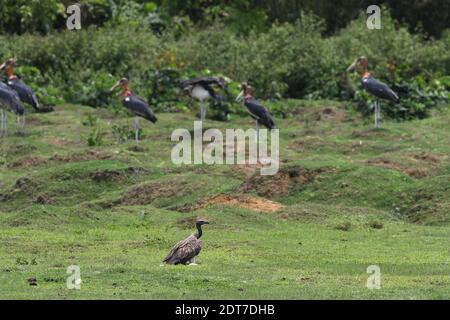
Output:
x=286 y=181
x=28 y=162
x=322 y=114
x=87 y=155
x=247 y=202
x=428 y=157
x=147 y=193
x=430 y=161
x=43 y=199
x=109 y=175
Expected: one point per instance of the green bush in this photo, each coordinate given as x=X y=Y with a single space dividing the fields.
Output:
x=286 y=61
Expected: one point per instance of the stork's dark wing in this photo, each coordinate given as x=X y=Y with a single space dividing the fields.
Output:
x=10 y=100
x=139 y=107
x=26 y=94
x=203 y=81
x=4 y=86
x=379 y=89
x=184 y=251
x=258 y=112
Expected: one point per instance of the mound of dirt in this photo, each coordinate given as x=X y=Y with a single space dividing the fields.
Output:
x=428 y=157
x=43 y=199
x=252 y=203
x=329 y=113
x=108 y=175
x=28 y=162
x=137 y=149
x=147 y=193
x=388 y=164
x=19 y=149
x=286 y=181
x=23 y=183
x=322 y=114
x=415 y=173
x=88 y=155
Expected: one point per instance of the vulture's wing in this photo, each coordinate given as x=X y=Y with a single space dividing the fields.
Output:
x=184 y=250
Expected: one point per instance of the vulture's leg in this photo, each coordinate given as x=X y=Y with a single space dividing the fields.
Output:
x=192 y=262
x=136 y=128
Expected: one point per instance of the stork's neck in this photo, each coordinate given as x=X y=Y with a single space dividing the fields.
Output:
x=126 y=91
x=248 y=96
x=199 y=232
x=365 y=73
x=10 y=73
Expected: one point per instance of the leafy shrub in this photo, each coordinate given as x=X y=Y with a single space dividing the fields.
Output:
x=286 y=61
x=124 y=133
x=95 y=138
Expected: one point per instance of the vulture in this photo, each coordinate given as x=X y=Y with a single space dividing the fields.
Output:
x=185 y=251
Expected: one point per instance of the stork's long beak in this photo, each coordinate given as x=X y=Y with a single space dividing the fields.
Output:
x=206 y=222
x=240 y=96
x=114 y=86
x=352 y=67
x=3 y=66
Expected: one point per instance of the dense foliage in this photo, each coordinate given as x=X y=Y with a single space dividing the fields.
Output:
x=158 y=44
x=17 y=16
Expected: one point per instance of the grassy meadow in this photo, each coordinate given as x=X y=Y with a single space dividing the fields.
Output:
x=346 y=197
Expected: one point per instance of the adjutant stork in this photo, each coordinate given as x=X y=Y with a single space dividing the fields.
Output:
x=135 y=104
x=185 y=251
x=256 y=110
x=10 y=101
x=26 y=94
x=202 y=90
x=377 y=88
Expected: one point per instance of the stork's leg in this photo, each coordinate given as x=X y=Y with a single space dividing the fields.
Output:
x=375 y=114
x=202 y=111
x=257 y=130
x=1 y=123
x=379 y=114
x=136 y=129
x=5 y=123
x=21 y=123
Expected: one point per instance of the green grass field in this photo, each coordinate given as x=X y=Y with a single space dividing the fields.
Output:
x=346 y=197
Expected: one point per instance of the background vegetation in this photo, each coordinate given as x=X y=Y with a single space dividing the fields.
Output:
x=287 y=49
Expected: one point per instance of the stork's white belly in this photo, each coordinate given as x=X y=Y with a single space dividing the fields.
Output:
x=200 y=93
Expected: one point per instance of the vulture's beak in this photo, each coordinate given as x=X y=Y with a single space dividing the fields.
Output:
x=240 y=96
x=114 y=86
x=352 y=67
